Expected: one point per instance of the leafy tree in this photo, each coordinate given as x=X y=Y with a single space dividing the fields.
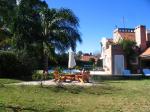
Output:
x=37 y=31
x=7 y=9
x=62 y=60
x=47 y=30
x=5 y=39
x=99 y=63
x=129 y=48
x=79 y=54
x=92 y=60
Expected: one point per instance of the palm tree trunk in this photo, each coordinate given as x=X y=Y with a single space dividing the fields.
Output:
x=45 y=68
x=45 y=62
x=128 y=62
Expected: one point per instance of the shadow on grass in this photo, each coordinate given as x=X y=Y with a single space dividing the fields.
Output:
x=102 y=90
x=14 y=108
x=2 y=85
x=68 y=89
x=94 y=90
x=100 y=78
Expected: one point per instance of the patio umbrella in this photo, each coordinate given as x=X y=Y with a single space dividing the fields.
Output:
x=71 y=62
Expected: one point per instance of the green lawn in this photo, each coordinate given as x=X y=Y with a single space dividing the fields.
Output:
x=8 y=81
x=110 y=96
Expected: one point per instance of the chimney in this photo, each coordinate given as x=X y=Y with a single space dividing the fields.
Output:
x=140 y=36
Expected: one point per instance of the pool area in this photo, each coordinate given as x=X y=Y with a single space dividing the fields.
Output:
x=66 y=71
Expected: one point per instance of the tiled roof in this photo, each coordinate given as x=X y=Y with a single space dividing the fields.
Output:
x=146 y=53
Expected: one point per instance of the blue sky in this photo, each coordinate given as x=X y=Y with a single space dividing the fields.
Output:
x=98 y=18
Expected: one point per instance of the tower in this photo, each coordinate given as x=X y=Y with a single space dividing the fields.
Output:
x=140 y=37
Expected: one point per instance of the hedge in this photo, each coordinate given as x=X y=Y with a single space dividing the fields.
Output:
x=12 y=67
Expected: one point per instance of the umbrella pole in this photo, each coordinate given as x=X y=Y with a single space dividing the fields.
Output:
x=70 y=71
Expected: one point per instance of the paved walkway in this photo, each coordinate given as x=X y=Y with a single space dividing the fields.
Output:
x=51 y=82
x=99 y=73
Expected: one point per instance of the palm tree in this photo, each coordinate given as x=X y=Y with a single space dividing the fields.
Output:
x=129 y=48
x=59 y=31
x=48 y=30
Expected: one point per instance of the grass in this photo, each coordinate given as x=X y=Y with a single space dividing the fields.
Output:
x=110 y=96
x=8 y=81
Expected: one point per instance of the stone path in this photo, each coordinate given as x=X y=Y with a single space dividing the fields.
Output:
x=51 y=82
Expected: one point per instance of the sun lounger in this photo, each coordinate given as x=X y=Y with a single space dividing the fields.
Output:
x=146 y=72
x=126 y=73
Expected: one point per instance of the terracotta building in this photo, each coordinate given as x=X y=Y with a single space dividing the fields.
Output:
x=112 y=54
x=87 y=57
x=145 y=58
x=139 y=34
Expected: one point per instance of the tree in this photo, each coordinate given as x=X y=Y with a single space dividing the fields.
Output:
x=59 y=30
x=99 y=63
x=92 y=60
x=7 y=9
x=5 y=39
x=47 y=30
x=128 y=47
x=37 y=32
x=79 y=54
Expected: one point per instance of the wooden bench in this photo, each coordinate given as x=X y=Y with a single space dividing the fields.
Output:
x=84 y=77
x=70 y=77
x=58 y=77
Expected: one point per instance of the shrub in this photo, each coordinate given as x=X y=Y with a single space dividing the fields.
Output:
x=99 y=63
x=12 y=67
x=39 y=76
x=8 y=63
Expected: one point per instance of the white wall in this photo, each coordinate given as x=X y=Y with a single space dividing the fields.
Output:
x=138 y=36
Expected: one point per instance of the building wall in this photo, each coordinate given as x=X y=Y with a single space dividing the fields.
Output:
x=116 y=36
x=107 y=60
x=140 y=37
x=106 y=55
x=123 y=34
x=116 y=50
x=103 y=47
x=148 y=35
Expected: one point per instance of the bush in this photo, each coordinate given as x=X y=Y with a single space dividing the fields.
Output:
x=82 y=64
x=8 y=63
x=99 y=63
x=39 y=76
x=12 y=67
